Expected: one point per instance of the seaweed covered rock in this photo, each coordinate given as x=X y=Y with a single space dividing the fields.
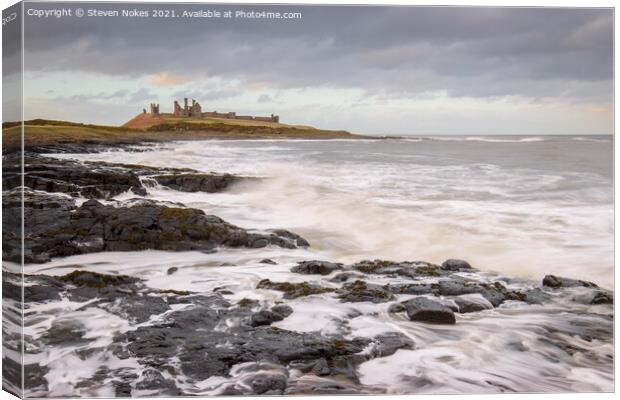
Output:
x=560 y=282
x=56 y=228
x=90 y=180
x=198 y=182
x=359 y=291
x=294 y=290
x=316 y=267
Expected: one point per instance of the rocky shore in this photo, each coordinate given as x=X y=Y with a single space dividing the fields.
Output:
x=177 y=339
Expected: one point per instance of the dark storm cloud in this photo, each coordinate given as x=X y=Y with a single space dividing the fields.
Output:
x=401 y=51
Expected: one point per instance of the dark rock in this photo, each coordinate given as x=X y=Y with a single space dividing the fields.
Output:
x=172 y=270
x=411 y=288
x=153 y=380
x=268 y=261
x=467 y=304
x=198 y=182
x=292 y=237
x=282 y=309
x=346 y=276
x=316 y=268
x=268 y=382
x=90 y=180
x=536 y=296
x=96 y=280
x=359 y=291
x=559 y=282
x=597 y=296
x=426 y=310
x=455 y=265
x=56 y=229
x=265 y=317
x=65 y=333
x=387 y=344
x=294 y=290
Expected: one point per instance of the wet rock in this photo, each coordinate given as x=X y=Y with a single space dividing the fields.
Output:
x=536 y=296
x=426 y=310
x=595 y=297
x=282 y=309
x=268 y=383
x=413 y=269
x=316 y=268
x=495 y=292
x=411 y=288
x=198 y=182
x=65 y=333
x=172 y=270
x=96 y=280
x=388 y=343
x=359 y=291
x=292 y=237
x=559 y=282
x=468 y=304
x=346 y=276
x=267 y=261
x=294 y=290
x=63 y=231
x=455 y=265
x=265 y=317
x=154 y=380
x=90 y=180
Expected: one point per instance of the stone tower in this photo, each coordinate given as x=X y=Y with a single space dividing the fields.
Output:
x=154 y=109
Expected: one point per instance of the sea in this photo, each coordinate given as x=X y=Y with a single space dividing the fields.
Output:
x=516 y=208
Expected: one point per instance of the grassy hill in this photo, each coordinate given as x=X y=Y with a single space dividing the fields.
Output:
x=144 y=128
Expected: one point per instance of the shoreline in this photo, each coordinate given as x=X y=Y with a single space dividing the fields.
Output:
x=44 y=135
x=169 y=315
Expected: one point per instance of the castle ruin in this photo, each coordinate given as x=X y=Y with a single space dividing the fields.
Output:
x=195 y=111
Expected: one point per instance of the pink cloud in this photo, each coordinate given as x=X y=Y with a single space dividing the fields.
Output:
x=166 y=79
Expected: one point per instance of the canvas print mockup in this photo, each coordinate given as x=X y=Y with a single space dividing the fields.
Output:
x=225 y=199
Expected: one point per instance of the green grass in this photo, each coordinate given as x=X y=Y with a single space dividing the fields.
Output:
x=50 y=133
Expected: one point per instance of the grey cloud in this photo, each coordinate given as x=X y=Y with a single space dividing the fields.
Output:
x=406 y=51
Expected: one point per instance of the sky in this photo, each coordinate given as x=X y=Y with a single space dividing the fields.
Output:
x=371 y=70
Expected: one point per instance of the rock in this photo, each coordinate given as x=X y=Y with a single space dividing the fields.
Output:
x=198 y=182
x=293 y=237
x=268 y=382
x=153 y=380
x=316 y=268
x=469 y=303
x=359 y=291
x=96 y=280
x=559 y=282
x=65 y=333
x=294 y=290
x=426 y=310
x=59 y=229
x=410 y=269
x=388 y=343
x=90 y=180
x=411 y=288
x=455 y=265
x=536 y=296
x=265 y=317
x=595 y=297
x=282 y=309
x=346 y=276
x=267 y=261
x=172 y=270
x=495 y=292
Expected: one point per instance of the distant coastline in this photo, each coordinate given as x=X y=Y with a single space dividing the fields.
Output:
x=41 y=134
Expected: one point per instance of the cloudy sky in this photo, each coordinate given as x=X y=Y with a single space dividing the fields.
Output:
x=376 y=70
